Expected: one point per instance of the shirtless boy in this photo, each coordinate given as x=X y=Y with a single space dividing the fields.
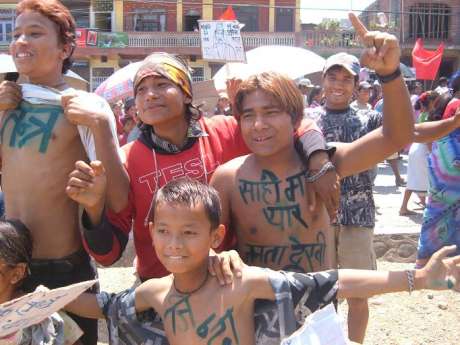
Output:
x=262 y=193
x=41 y=143
x=195 y=309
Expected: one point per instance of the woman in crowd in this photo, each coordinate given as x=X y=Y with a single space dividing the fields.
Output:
x=417 y=168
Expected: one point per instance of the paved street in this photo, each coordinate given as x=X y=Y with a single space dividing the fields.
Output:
x=388 y=200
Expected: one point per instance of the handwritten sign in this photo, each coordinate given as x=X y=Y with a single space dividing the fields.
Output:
x=36 y=306
x=221 y=41
x=321 y=328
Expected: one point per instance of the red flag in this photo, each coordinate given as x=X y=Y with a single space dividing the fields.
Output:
x=229 y=14
x=426 y=62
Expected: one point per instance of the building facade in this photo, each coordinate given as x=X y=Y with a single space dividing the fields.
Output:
x=169 y=26
x=433 y=21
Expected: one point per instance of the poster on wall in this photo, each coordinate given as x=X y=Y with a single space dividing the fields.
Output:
x=221 y=41
x=80 y=37
x=91 y=38
x=112 y=39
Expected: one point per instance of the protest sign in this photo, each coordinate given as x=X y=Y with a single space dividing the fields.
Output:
x=221 y=41
x=36 y=306
x=321 y=328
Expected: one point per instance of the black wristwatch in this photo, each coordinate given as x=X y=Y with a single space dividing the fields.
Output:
x=387 y=78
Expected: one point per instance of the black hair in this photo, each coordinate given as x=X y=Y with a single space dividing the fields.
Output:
x=15 y=244
x=314 y=92
x=440 y=106
x=189 y=192
x=425 y=99
x=454 y=82
x=338 y=67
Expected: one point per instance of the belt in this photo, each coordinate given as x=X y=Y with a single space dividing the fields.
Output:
x=63 y=265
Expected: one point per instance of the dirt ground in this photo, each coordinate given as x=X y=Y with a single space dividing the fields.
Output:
x=423 y=318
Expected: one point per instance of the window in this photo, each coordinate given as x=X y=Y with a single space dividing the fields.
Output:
x=6 y=25
x=197 y=74
x=191 y=19
x=149 y=20
x=103 y=14
x=99 y=76
x=80 y=11
x=284 y=20
x=103 y=5
x=249 y=16
x=430 y=21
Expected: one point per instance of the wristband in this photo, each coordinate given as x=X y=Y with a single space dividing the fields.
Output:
x=328 y=166
x=410 y=280
x=390 y=77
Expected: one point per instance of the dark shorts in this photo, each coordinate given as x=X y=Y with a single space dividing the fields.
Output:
x=56 y=273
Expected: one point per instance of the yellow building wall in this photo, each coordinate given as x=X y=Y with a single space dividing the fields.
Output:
x=271 y=16
x=297 y=16
x=207 y=11
x=112 y=62
x=118 y=14
x=179 y=15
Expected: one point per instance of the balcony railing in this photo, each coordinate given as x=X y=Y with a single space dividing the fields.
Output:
x=96 y=81
x=192 y=39
x=330 y=39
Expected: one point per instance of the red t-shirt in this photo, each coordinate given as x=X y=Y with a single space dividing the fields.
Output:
x=149 y=170
x=451 y=108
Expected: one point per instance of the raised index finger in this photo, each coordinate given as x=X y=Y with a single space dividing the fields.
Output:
x=361 y=30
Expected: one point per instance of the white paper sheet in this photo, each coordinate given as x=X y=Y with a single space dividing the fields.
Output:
x=36 y=306
x=321 y=328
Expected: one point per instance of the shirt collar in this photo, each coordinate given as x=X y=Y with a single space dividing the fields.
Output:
x=194 y=131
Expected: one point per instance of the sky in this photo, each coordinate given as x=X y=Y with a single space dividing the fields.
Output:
x=320 y=9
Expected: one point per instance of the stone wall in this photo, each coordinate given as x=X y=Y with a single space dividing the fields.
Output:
x=396 y=247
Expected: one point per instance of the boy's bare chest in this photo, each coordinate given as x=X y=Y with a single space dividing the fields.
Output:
x=190 y=320
x=275 y=227
x=37 y=131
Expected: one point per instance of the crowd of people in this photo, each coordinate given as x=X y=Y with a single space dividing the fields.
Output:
x=281 y=180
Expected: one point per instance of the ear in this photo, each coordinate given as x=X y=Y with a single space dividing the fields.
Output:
x=151 y=232
x=66 y=51
x=217 y=236
x=187 y=100
x=18 y=273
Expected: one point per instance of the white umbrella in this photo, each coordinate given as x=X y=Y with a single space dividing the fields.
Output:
x=293 y=61
x=6 y=64
x=73 y=79
x=120 y=84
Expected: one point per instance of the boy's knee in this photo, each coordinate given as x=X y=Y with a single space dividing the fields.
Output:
x=358 y=303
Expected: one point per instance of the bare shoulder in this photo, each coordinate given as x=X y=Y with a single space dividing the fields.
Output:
x=227 y=171
x=150 y=294
x=255 y=282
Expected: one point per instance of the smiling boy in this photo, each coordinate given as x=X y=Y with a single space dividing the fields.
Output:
x=195 y=309
x=262 y=193
x=41 y=143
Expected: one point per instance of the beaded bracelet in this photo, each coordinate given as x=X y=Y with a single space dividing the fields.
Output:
x=328 y=166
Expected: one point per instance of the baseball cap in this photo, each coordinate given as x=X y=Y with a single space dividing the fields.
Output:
x=347 y=61
x=305 y=82
x=364 y=85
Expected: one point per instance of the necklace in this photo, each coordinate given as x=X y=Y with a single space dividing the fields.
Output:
x=194 y=290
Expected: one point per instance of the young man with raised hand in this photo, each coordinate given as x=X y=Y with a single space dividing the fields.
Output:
x=262 y=193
